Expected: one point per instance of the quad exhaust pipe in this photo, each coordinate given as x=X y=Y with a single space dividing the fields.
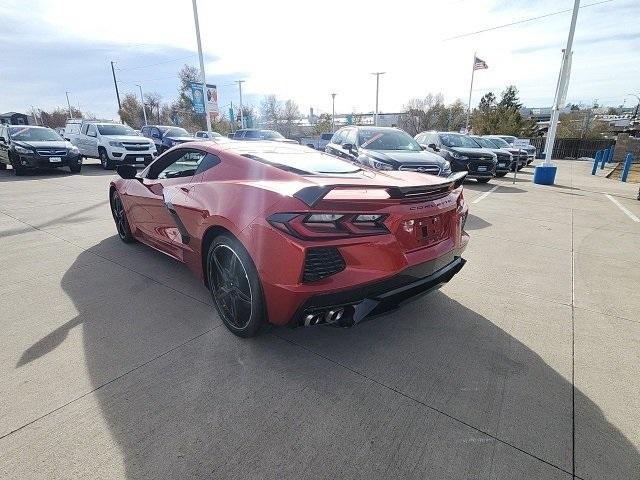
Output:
x=338 y=316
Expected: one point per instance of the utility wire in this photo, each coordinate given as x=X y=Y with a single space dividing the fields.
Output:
x=524 y=20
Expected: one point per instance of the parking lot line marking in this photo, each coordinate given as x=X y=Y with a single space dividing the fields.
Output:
x=621 y=207
x=485 y=194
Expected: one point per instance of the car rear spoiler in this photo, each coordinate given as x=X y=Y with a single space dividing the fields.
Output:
x=312 y=195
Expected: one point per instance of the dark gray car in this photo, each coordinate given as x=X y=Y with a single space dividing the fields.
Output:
x=385 y=148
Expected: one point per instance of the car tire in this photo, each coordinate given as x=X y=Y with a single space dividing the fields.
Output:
x=18 y=170
x=483 y=180
x=235 y=287
x=104 y=159
x=120 y=217
x=75 y=168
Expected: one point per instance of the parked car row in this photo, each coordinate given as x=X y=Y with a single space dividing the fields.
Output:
x=436 y=153
x=382 y=148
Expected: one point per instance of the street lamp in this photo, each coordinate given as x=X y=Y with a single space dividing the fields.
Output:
x=333 y=112
x=377 y=74
x=144 y=110
x=69 y=105
x=240 y=82
x=202 y=74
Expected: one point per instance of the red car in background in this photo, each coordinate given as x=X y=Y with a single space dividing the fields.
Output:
x=284 y=234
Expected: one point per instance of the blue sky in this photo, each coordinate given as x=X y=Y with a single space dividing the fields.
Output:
x=305 y=54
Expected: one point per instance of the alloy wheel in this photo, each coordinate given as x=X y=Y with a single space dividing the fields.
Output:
x=119 y=216
x=232 y=291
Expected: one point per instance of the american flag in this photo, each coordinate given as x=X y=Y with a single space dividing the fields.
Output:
x=479 y=64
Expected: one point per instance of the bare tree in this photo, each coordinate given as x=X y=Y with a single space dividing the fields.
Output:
x=153 y=100
x=290 y=118
x=131 y=111
x=58 y=117
x=271 y=111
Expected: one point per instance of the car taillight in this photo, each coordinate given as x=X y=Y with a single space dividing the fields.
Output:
x=329 y=225
x=462 y=210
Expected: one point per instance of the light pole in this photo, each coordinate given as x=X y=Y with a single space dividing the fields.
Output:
x=69 y=105
x=240 y=82
x=115 y=84
x=333 y=112
x=202 y=74
x=144 y=110
x=635 y=113
x=377 y=74
x=561 y=89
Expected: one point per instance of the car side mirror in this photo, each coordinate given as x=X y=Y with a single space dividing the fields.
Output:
x=433 y=147
x=127 y=172
x=2 y=140
x=155 y=135
x=348 y=146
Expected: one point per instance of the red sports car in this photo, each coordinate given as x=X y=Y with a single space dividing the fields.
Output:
x=284 y=234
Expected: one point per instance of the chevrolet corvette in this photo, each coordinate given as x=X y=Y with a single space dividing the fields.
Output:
x=282 y=234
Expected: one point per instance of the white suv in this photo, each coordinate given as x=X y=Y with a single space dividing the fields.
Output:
x=112 y=143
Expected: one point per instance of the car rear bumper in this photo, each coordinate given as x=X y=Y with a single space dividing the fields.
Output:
x=41 y=161
x=349 y=307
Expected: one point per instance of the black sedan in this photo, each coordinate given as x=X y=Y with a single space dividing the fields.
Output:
x=506 y=160
x=26 y=147
x=464 y=154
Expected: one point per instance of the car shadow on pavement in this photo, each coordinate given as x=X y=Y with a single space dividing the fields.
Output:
x=432 y=387
x=475 y=223
x=68 y=219
x=42 y=174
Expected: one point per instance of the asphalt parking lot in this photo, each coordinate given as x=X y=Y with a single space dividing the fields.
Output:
x=115 y=365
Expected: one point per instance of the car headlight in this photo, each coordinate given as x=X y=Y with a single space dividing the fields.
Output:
x=380 y=165
x=446 y=167
x=74 y=149
x=458 y=156
x=116 y=144
x=20 y=149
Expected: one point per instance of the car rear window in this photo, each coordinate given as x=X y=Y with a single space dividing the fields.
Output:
x=302 y=161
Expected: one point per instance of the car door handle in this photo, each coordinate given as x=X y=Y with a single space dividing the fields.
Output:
x=185 y=189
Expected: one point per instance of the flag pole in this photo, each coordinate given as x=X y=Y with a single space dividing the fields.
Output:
x=473 y=71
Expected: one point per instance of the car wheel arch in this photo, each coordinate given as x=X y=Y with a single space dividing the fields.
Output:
x=209 y=235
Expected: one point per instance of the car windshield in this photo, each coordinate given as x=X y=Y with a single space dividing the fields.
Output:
x=270 y=134
x=174 y=132
x=457 y=140
x=509 y=139
x=377 y=139
x=485 y=142
x=500 y=143
x=114 y=129
x=25 y=134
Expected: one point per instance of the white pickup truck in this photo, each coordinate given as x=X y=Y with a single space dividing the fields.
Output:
x=112 y=143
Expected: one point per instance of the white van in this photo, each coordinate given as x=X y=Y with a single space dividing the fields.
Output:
x=112 y=143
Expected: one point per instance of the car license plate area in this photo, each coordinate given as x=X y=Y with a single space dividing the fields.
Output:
x=139 y=159
x=482 y=168
x=432 y=230
x=55 y=160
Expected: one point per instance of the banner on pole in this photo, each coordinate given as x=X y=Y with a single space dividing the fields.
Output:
x=197 y=98
x=212 y=100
